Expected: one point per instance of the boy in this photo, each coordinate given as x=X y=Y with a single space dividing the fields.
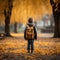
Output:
x=30 y=35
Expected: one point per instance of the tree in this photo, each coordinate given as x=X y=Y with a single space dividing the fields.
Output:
x=56 y=15
x=7 y=14
x=15 y=27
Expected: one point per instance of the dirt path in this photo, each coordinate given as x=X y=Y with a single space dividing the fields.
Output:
x=15 y=48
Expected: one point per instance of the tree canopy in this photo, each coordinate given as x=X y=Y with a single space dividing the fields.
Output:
x=23 y=9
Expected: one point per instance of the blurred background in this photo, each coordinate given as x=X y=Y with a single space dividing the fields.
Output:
x=39 y=10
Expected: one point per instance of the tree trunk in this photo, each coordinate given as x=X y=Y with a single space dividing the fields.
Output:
x=15 y=27
x=7 y=26
x=7 y=14
x=57 y=26
x=56 y=15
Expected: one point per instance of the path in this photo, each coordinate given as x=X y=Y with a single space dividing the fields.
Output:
x=14 y=48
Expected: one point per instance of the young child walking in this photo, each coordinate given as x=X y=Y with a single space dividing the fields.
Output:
x=30 y=34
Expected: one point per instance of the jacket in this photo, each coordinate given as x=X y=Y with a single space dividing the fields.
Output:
x=35 y=32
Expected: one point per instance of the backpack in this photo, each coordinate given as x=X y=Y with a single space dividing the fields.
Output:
x=29 y=32
x=58 y=7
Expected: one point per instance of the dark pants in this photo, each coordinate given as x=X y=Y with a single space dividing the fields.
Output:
x=30 y=45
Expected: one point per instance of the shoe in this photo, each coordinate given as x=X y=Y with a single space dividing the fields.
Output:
x=31 y=51
x=28 y=51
